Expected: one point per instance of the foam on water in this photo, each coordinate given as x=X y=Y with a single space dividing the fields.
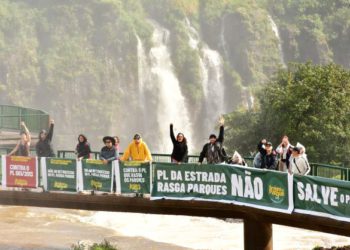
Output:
x=185 y=231
x=206 y=233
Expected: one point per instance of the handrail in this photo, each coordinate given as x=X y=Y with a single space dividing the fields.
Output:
x=317 y=169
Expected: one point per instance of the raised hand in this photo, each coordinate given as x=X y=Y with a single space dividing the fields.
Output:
x=221 y=120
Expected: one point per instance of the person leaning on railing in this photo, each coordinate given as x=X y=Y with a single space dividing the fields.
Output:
x=108 y=152
x=82 y=150
x=43 y=146
x=137 y=151
x=22 y=147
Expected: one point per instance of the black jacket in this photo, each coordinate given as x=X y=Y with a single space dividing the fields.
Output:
x=267 y=161
x=180 y=150
x=43 y=147
x=83 y=149
x=214 y=152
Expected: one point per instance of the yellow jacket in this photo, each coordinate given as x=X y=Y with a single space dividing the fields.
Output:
x=137 y=152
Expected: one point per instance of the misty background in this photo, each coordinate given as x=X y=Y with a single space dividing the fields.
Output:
x=120 y=67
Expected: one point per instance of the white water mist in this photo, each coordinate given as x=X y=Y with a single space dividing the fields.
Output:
x=277 y=34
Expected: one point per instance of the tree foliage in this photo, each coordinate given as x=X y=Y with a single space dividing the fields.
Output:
x=309 y=103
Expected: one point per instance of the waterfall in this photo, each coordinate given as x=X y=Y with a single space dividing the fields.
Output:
x=211 y=66
x=214 y=89
x=222 y=38
x=248 y=98
x=143 y=70
x=171 y=102
x=277 y=34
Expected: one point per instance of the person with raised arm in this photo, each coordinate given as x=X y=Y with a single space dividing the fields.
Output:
x=180 y=150
x=268 y=155
x=284 y=151
x=23 y=146
x=213 y=150
x=43 y=146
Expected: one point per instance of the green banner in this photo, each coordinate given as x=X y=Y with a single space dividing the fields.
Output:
x=133 y=177
x=61 y=174
x=322 y=196
x=97 y=176
x=263 y=189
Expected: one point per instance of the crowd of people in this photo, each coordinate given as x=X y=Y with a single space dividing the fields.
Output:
x=285 y=158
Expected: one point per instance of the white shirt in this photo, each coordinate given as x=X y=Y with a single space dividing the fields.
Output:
x=299 y=165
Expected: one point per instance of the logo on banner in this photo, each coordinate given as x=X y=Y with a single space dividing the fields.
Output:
x=276 y=190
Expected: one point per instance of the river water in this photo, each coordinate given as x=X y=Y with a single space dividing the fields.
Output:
x=44 y=228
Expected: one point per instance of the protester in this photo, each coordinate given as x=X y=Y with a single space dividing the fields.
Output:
x=302 y=150
x=298 y=164
x=22 y=147
x=82 y=150
x=213 y=150
x=268 y=156
x=180 y=150
x=43 y=146
x=284 y=151
x=237 y=159
x=117 y=143
x=137 y=151
x=108 y=152
x=257 y=160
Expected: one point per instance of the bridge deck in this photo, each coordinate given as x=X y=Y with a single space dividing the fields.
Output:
x=173 y=207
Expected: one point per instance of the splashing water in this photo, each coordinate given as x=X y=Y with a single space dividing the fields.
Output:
x=211 y=66
x=171 y=102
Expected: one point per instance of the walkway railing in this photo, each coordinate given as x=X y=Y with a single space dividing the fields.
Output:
x=317 y=169
x=12 y=116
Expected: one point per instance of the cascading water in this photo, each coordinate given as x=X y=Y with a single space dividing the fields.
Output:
x=144 y=81
x=222 y=37
x=211 y=67
x=277 y=34
x=248 y=98
x=142 y=68
x=171 y=103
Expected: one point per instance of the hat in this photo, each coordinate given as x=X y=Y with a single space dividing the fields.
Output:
x=212 y=136
x=268 y=143
x=110 y=138
x=137 y=137
x=297 y=149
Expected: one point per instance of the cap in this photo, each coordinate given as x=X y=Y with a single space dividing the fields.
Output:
x=268 y=143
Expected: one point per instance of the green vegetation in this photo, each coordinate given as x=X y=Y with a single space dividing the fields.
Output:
x=313 y=30
x=77 y=59
x=309 y=103
x=96 y=246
